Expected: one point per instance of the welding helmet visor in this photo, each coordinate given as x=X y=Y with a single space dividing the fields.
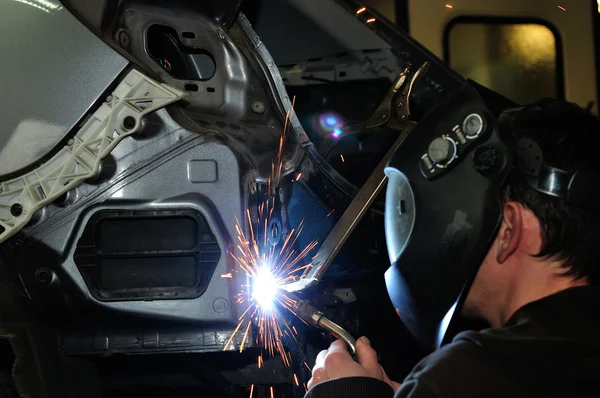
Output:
x=443 y=210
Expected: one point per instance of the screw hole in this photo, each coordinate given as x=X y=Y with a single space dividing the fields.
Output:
x=257 y=106
x=210 y=89
x=124 y=39
x=129 y=122
x=16 y=210
x=188 y=35
x=191 y=87
x=44 y=276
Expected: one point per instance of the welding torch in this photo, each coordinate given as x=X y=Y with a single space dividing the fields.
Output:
x=312 y=316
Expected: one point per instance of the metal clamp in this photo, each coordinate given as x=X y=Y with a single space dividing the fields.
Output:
x=383 y=113
x=403 y=101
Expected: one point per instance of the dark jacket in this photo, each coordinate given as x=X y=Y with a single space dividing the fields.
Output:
x=549 y=348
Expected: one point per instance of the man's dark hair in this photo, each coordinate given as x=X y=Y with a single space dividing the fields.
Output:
x=569 y=137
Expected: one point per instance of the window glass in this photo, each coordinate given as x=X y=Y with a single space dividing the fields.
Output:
x=518 y=60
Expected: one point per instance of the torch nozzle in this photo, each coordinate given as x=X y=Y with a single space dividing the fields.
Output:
x=312 y=316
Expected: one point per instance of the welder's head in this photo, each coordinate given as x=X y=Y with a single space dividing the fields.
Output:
x=536 y=226
x=450 y=183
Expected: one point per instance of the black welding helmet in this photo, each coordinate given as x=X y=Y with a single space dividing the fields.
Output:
x=443 y=205
x=443 y=211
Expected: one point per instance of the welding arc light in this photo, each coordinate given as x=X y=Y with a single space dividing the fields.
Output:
x=264 y=288
x=330 y=121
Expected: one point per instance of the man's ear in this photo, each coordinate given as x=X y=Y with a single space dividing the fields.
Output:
x=509 y=236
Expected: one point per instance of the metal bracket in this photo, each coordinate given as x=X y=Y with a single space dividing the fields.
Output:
x=351 y=66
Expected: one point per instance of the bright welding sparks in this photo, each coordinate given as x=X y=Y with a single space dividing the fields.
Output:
x=342 y=157
x=361 y=10
x=251 y=390
x=263 y=294
x=562 y=8
x=307 y=367
x=299 y=177
x=268 y=268
x=228 y=275
x=448 y=6
x=371 y=20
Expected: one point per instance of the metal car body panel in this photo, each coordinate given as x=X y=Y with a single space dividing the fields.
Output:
x=54 y=69
x=217 y=123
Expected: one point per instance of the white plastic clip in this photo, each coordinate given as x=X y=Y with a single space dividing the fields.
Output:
x=136 y=96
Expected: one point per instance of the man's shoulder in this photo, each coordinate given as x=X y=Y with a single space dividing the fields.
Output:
x=465 y=369
x=456 y=355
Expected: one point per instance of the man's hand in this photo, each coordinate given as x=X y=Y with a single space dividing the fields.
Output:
x=336 y=363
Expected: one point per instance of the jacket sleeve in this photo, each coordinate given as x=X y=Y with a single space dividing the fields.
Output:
x=351 y=387
x=451 y=368
x=366 y=387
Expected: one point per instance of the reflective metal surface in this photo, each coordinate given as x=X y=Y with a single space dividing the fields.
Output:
x=553 y=181
x=53 y=69
x=155 y=170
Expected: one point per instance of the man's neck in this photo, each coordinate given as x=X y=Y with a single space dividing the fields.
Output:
x=528 y=290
